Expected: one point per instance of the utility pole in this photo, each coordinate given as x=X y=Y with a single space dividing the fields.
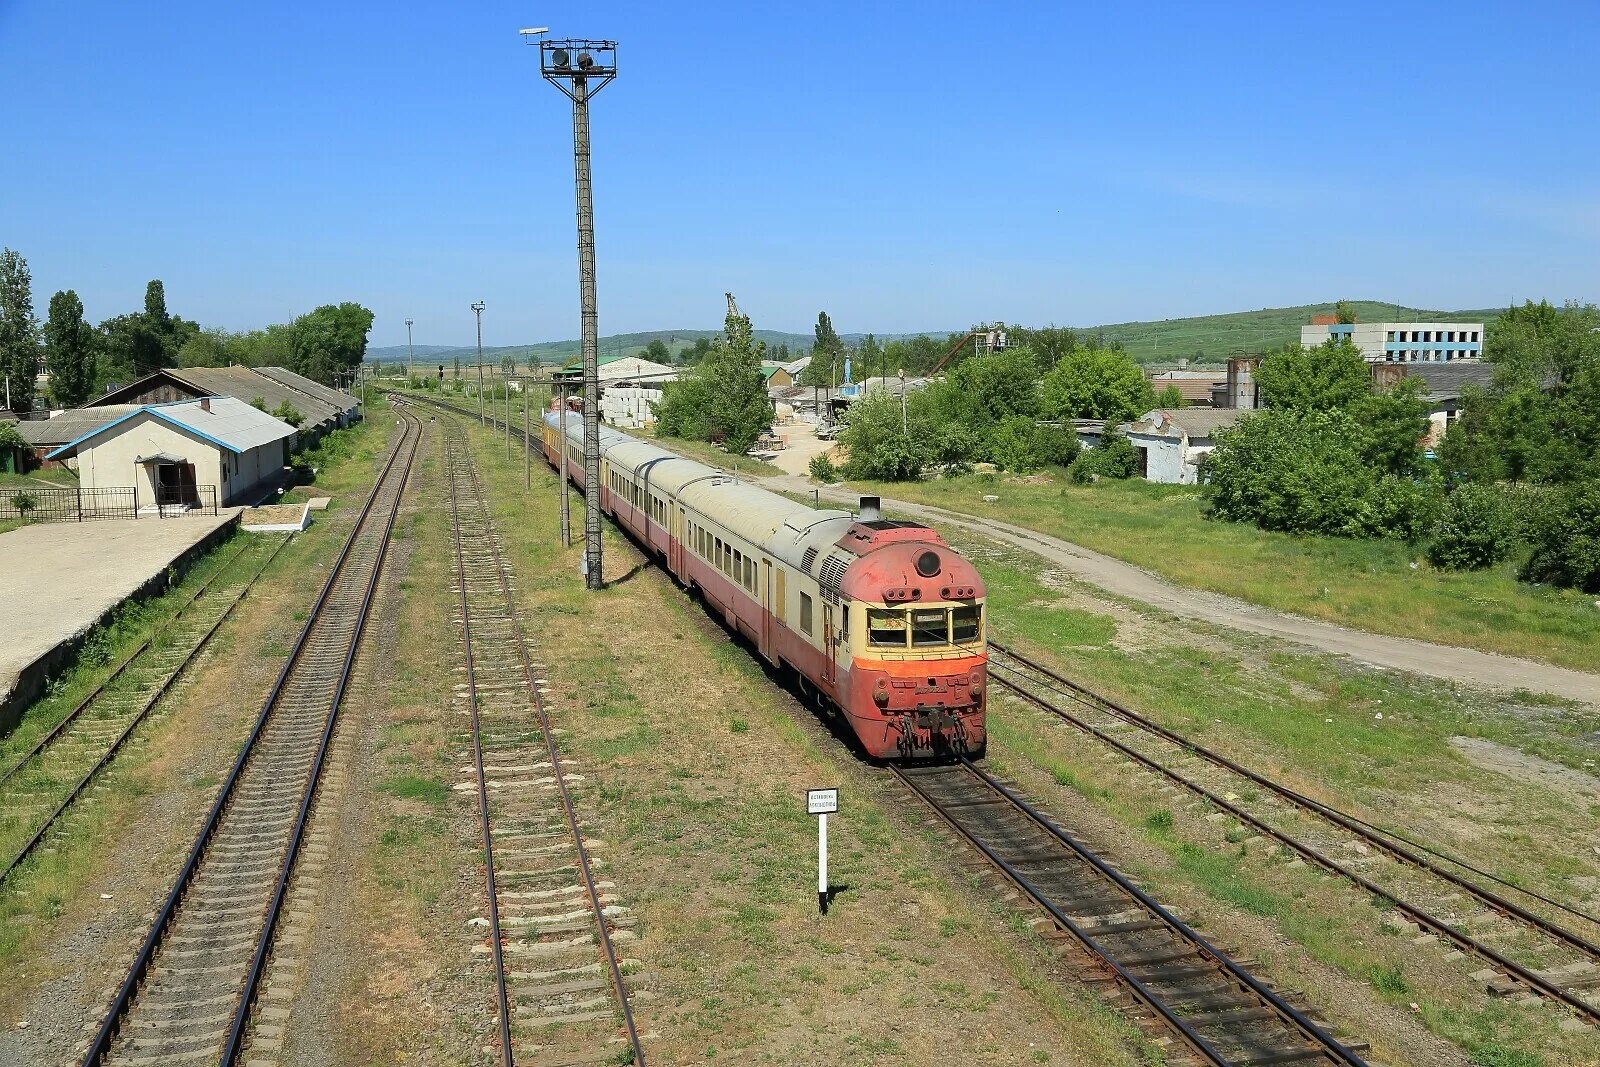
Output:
x=571 y=66
x=408 y=353
x=527 y=472
x=477 y=310
x=507 y=382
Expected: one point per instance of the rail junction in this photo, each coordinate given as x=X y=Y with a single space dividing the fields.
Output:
x=1556 y=962
x=189 y=992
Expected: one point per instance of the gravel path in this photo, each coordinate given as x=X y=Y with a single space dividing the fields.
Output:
x=1124 y=579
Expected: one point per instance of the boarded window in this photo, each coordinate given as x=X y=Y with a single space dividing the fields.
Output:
x=964 y=624
x=805 y=614
x=886 y=628
x=930 y=627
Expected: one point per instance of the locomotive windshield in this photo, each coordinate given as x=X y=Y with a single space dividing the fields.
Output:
x=924 y=627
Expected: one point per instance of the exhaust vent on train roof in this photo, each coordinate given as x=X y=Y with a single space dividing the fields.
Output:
x=808 y=559
x=833 y=569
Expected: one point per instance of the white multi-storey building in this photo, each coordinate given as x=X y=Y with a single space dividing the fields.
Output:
x=1403 y=342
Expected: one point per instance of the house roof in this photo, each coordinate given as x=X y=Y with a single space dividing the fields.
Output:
x=242 y=383
x=224 y=421
x=316 y=390
x=70 y=424
x=1195 y=422
x=1448 y=379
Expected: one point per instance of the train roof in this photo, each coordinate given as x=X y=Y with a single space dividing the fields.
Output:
x=784 y=527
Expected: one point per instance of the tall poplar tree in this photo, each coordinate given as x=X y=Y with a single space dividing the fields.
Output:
x=19 y=334
x=69 y=350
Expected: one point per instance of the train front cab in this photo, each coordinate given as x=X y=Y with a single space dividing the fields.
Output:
x=918 y=678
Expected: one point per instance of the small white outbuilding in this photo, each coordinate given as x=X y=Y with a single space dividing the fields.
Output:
x=169 y=452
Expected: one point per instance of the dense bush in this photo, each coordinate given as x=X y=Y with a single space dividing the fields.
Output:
x=884 y=445
x=1114 y=457
x=1477 y=528
x=1564 y=532
x=1021 y=444
x=1312 y=472
x=822 y=469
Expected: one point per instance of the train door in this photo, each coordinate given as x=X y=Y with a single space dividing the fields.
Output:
x=675 y=542
x=766 y=609
x=827 y=643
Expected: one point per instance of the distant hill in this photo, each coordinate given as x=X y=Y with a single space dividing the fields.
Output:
x=1213 y=338
x=1206 y=338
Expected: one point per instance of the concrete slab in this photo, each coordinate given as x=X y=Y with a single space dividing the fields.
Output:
x=58 y=579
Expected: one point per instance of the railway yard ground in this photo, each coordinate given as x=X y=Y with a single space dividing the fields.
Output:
x=686 y=763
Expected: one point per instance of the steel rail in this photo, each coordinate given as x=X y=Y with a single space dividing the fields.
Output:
x=106 y=682
x=1376 y=835
x=241 y=1016
x=1324 y=1042
x=100 y=1047
x=502 y=999
x=559 y=774
x=139 y=717
x=1415 y=913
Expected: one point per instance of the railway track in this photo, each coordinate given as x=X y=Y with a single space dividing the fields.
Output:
x=1442 y=896
x=560 y=993
x=188 y=994
x=1220 y=1013
x=39 y=790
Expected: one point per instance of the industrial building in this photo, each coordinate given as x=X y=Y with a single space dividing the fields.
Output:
x=180 y=452
x=1400 y=342
x=1171 y=443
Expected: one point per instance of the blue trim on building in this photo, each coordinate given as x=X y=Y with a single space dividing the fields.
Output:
x=150 y=409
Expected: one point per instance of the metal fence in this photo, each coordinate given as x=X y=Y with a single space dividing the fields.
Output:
x=119 y=502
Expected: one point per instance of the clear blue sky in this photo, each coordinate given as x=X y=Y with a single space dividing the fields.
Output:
x=902 y=166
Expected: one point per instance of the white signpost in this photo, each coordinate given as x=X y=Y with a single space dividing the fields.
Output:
x=822 y=803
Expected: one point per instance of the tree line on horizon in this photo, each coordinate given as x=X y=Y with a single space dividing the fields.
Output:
x=85 y=360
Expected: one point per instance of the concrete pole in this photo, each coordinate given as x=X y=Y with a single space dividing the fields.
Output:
x=477 y=309
x=507 y=382
x=566 y=485
x=590 y=334
x=408 y=353
x=527 y=470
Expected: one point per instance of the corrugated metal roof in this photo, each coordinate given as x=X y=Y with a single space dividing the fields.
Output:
x=224 y=421
x=1195 y=422
x=71 y=424
x=316 y=390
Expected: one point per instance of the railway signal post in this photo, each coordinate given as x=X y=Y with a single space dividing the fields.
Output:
x=822 y=803
x=581 y=68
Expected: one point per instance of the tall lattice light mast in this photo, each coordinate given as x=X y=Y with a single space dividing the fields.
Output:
x=580 y=69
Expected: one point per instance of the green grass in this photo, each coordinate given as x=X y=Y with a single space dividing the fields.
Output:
x=1366 y=584
x=55 y=478
x=713 y=455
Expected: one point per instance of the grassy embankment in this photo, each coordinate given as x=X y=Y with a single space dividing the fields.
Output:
x=1366 y=584
x=1368 y=742
x=150 y=778
x=692 y=768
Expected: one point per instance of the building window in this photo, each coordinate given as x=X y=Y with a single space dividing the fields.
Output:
x=1391 y=335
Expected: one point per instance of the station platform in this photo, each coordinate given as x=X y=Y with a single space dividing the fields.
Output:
x=59 y=579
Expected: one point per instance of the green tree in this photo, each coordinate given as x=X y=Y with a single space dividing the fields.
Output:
x=1095 y=383
x=329 y=339
x=869 y=361
x=882 y=444
x=1330 y=375
x=657 y=352
x=69 y=345
x=1565 y=537
x=1393 y=424
x=724 y=397
x=827 y=355
x=207 y=348
x=285 y=412
x=1477 y=528
x=1170 y=398
x=19 y=334
x=1345 y=312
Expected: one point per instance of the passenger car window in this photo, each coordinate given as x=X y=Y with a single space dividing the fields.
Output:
x=805 y=613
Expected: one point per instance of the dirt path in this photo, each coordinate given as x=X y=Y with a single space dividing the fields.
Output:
x=1124 y=579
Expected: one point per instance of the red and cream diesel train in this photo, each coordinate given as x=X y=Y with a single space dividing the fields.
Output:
x=882 y=621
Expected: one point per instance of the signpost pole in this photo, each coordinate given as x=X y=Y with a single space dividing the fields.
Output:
x=822 y=864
